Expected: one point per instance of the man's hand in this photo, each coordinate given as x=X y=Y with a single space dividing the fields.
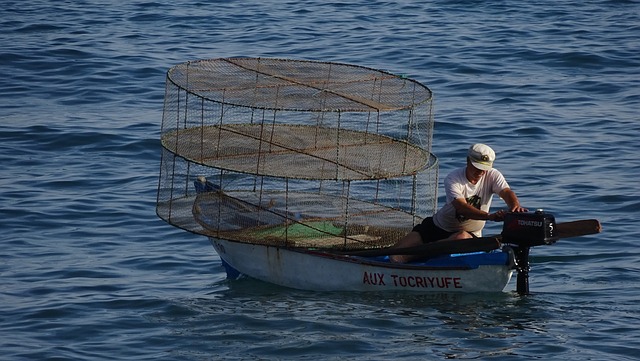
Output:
x=518 y=209
x=497 y=216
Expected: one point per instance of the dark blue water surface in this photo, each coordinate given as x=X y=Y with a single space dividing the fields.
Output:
x=89 y=272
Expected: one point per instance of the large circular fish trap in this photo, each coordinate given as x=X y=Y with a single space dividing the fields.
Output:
x=295 y=153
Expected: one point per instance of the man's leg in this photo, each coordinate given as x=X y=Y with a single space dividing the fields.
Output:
x=410 y=240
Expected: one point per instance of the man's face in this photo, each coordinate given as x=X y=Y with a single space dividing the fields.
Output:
x=474 y=174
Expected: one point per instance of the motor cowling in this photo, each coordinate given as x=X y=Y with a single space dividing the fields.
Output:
x=529 y=229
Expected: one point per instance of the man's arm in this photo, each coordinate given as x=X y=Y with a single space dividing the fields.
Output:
x=470 y=212
x=511 y=200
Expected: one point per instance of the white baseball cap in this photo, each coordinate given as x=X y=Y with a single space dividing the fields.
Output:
x=481 y=156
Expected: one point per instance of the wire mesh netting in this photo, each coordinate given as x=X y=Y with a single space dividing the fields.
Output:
x=296 y=153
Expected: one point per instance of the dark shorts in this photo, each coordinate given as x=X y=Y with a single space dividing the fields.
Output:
x=429 y=232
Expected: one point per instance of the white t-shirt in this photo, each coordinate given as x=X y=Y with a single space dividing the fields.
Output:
x=479 y=195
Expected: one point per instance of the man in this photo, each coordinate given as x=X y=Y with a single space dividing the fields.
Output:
x=469 y=192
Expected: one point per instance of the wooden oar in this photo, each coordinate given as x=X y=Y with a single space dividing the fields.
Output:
x=578 y=228
x=433 y=249
x=484 y=244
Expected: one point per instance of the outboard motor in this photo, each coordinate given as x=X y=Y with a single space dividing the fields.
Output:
x=523 y=231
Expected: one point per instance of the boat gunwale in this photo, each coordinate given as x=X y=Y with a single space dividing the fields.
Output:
x=375 y=262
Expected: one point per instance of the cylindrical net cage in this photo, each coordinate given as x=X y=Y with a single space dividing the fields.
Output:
x=296 y=153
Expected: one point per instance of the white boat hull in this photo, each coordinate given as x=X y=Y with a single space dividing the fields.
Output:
x=318 y=271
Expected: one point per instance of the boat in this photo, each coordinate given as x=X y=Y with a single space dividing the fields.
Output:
x=325 y=271
x=305 y=173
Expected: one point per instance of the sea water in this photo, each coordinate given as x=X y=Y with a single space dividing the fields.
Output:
x=88 y=271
